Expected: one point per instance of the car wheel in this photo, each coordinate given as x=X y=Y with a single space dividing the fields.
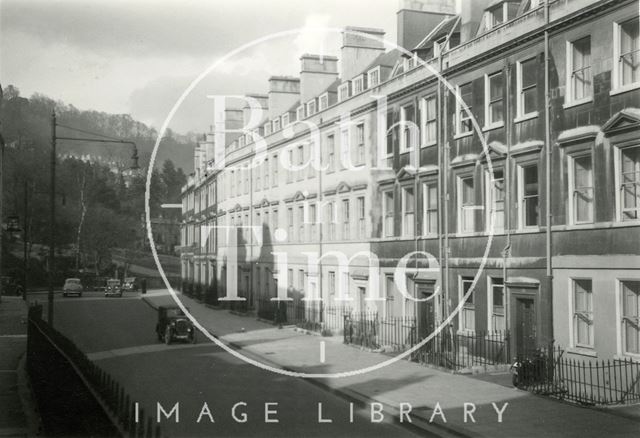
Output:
x=193 y=338
x=64 y=294
x=167 y=336
x=80 y=294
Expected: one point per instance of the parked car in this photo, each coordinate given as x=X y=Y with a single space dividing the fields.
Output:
x=173 y=324
x=72 y=286
x=11 y=286
x=131 y=284
x=114 y=288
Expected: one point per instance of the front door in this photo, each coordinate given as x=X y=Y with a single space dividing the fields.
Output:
x=362 y=292
x=525 y=326
x=426 y=312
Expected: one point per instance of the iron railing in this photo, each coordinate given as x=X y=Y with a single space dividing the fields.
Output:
x=458 y=351
x=369 y=330
x=48 y=347
x=308 y=315
x=588 y=382
x=446 y=349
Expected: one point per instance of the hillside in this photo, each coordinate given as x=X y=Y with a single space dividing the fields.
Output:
x=29 y=120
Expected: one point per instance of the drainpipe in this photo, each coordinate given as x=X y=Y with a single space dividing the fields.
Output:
x=443 y=156
x=547 y=145
x=320 y=224
x=445 y=204
x=507 y=201
x=251 y=241
x=441 y=184
x=416 y=233
x=440 y=221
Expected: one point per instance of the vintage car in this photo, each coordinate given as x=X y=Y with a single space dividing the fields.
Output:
x=11 y=286
x=130 y=284
x=113 y=289
x=173 y=324
x=72 y=286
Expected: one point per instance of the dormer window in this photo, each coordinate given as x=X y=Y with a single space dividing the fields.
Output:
x=373 y=77
x=323 y=101
x=495 y=16
x=440 y=45
x=358 y=85
x=276 y=125
x=241 y=141
x=300 y=113
x=501 y=13
x=409 y=63
x=311 y=107
x=267 y=129
x=285 y=120
x=343 y=92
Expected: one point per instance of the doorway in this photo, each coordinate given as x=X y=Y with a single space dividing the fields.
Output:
x=525 y=326
x=426 y=312
x=362 y=292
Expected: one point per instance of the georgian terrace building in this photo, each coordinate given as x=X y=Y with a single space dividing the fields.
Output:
x=555 y=93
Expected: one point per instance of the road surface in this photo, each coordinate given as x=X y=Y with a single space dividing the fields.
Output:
x=118 y=333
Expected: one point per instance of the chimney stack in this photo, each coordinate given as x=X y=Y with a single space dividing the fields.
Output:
x=358 y=51
x=263 y=101
x=317 y=72
x=416 y=18
x=470 y=18
x=284 y=92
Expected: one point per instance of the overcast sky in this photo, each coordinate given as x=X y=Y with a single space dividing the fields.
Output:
x=138 y=56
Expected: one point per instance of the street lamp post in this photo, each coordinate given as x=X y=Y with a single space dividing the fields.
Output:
x=52 y=219
x=52 y=228
x=25 y=236
x=1 y=194
x=1 y=200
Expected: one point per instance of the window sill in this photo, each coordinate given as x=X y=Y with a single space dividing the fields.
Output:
x=624 y=89
x=431 y=143
x=466 y=332
x=493 y=126
x=535 y=229
x=581 y=226
x=627 y=356
x=462 y=135
x=583 y=351
x=628 y=221
x=525 y=117
x=577 y=102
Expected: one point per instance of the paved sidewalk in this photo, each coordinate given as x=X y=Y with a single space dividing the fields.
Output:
x=17 y=414
x=407 y=382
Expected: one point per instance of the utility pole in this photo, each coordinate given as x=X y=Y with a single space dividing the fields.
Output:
x=1 y=195
x=1 y=203
x=25 y=236
x=52 y=220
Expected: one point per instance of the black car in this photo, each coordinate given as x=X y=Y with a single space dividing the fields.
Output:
x=11 y=286
x=173 y=324
x=131 y=284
